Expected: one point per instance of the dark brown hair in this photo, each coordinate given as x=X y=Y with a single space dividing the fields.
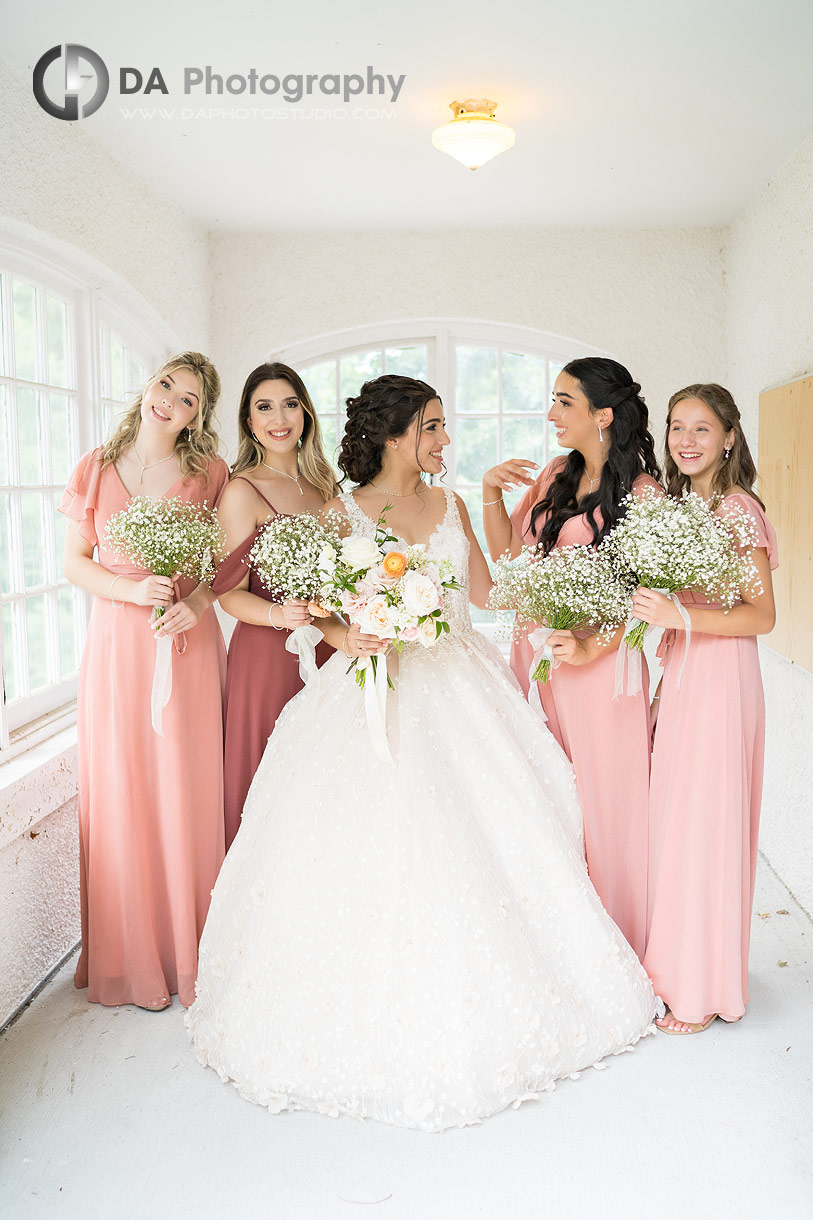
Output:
x=384 y=408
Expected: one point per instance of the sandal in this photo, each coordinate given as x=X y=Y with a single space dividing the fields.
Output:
x=694 y=1027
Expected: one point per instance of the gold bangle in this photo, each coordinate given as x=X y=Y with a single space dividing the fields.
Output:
x=271 y=621
x=344 y=643
x=118 y=605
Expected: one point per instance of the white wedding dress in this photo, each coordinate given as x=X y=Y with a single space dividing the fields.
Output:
x=417 y=943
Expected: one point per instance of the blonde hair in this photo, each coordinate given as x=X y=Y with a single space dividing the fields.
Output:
x=196 y=446
x=738 y=469
x=313 y=464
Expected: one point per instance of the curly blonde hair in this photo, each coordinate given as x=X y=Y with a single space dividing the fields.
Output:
x=196 y=446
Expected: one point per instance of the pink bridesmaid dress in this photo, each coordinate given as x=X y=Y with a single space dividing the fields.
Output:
x=704 y=813
x=606 y=739
x=260 y=679
x=150 y=807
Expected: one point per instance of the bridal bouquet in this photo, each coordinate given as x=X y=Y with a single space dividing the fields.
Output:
x=667 y=544
x=570 y=588
x=293 y=556
x=394 y=594
x=169 y=537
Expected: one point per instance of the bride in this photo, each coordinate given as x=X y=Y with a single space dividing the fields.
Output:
x=417 y=943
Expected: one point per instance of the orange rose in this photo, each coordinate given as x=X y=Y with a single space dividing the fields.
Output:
x=394 y=563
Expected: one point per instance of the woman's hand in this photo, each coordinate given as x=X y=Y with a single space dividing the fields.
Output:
x=356 y=644
x=570 y=650
x=295 y=613
x=655 y=609
x=153 y=591
x=510 y=475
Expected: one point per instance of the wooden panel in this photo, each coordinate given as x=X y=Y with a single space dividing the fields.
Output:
x=786 y=485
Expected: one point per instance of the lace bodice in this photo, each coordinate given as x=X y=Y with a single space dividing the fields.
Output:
x=447 y=541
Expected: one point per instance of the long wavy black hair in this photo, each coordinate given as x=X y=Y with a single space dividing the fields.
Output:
x=606 y=384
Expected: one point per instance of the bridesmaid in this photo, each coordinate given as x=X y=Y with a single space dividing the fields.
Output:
x=280 y=468
x=709 y=745
x=150 y=807
x=600 y=417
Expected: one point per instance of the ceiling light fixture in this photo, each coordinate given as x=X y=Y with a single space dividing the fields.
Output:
x=473 y=136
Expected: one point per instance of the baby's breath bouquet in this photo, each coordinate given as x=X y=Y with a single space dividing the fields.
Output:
x=294 y=556
x=169 y=537
x=571 y=588
x=667 y=544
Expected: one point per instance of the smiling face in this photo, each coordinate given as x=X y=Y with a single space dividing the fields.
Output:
x=276 y=416
x=697 y=439
x=425 y=438
x=171 y=402
x=576 y=425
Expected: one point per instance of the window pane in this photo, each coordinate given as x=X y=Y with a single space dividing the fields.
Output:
x=3 y=290
x=355 y=370
x=68 y=652
x=523 y=383
x=33 y=539
x=407 y=361
x=37 y=642
x=320 y=381
x=25 y=358
x=553 y=372
x=476 y=448
x=116 y=368
x=57 y=314
x=525 y=438
x=10 y=667
x=28 y=436
x=327 y=426
x=5 y=447
x=6 y=570
x=476 y=379
x=63 y=443
x=60 y=529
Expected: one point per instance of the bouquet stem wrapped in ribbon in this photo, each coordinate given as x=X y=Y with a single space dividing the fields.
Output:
x=667 y=545
x=569 y=589
x=169 y=537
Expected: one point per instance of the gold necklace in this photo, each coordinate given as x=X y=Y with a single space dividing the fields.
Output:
x=294 y=478
x=148 y=465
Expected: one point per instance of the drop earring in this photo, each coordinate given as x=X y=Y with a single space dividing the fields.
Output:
x=600 y=435
x=726 y=452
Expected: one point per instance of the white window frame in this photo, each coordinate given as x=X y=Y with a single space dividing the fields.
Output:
x=53 y=708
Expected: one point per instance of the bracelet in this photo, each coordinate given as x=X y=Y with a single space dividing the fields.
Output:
x=118 y=605
x=654 y=697
x=488 y=503
x=344 y=643
x=271 y=621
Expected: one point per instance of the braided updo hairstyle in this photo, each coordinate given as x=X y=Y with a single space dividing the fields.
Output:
x=384 y=408
x=605 y=383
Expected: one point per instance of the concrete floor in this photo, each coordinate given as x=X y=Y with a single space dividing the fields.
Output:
x=106 y=1113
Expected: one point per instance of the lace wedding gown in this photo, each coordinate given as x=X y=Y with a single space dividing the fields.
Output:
x=417 y=943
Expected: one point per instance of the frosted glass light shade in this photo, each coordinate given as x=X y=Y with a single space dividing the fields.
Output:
x=474 y=135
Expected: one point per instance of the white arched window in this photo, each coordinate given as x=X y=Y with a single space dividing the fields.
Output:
x=495 y=382
x=68 y=364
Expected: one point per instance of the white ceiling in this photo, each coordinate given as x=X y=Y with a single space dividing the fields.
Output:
x=627 y=112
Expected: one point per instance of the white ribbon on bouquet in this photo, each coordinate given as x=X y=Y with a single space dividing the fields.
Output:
x=538 y=639
x=375 y=703
x=632 y=656
x=162 y=676
x=302 y=643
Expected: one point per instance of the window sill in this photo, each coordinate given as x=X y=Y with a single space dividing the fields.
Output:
x=39 y=779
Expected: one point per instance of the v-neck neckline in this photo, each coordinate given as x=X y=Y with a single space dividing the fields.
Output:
x=132 y=494
x=439 y=525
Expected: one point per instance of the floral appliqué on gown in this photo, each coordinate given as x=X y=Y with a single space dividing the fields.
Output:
x=417 y=943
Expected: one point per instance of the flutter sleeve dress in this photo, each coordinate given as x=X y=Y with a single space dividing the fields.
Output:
x=150 y=806
x=606 y=739
x=705 y=800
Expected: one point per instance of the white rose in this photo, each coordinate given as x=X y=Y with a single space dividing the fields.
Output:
x=420 y=594
x=427 y=633
x=377 y=618
x=326 y=563
x=360 y=553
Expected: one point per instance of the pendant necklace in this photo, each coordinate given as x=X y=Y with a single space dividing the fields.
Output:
x=148 y=465
x=294 y=478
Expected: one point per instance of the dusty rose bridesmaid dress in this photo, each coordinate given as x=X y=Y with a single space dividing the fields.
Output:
x=150 y=807
x=606 y=739
x=704 y=813
x=260 y=679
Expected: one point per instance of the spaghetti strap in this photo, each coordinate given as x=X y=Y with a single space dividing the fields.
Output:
x=243 y=479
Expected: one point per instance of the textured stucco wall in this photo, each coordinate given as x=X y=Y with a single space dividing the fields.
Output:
x=768 y=259
x=63 y=189
x=654 y=298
